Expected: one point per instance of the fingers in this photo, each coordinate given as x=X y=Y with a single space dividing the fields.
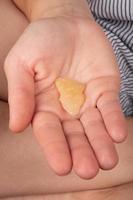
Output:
x=113 y=117
x=84 y=162
x=21 y=96
x=48 y=131
x=99 y=139
x=104 y=93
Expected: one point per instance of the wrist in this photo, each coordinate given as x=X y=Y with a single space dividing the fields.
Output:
x=68 y=9
x=39 y=9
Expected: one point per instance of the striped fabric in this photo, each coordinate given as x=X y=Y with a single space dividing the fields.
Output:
x=113 y=9
x=116 y=18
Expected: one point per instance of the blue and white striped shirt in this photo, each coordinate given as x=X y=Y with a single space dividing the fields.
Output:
x=116 y=19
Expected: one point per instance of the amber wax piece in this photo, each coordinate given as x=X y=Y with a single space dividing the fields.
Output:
x=71 y=94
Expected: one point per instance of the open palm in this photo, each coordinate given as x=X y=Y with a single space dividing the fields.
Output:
x=77 y=49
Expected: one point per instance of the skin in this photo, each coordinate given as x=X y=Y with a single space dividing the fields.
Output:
x=84 y=143
x=36 y=176
x=24 y=171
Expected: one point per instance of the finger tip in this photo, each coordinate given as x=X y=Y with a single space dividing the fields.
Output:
x=17 y=127
x=87 y=173
x=120 y=136
x=108 y=162
x=119 y=131
x=61 y=166
x=87 y=170
x=15 y=130
x=62 y=169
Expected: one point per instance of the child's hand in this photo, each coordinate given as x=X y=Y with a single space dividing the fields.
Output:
x=75 y=48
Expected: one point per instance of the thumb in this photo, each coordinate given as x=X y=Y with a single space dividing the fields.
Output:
x=20 y=95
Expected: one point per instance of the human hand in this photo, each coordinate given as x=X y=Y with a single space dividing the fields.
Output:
x=74 y=48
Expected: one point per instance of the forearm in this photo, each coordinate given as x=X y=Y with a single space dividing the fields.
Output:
x=41 y=8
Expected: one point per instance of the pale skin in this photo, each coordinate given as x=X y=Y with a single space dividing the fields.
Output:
x=66 y=43
x=23 y=169
x=25 y=172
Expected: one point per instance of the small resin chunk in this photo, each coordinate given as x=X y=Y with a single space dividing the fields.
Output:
x=71 y=94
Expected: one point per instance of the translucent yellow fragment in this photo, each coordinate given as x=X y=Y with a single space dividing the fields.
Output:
x=71 y=94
